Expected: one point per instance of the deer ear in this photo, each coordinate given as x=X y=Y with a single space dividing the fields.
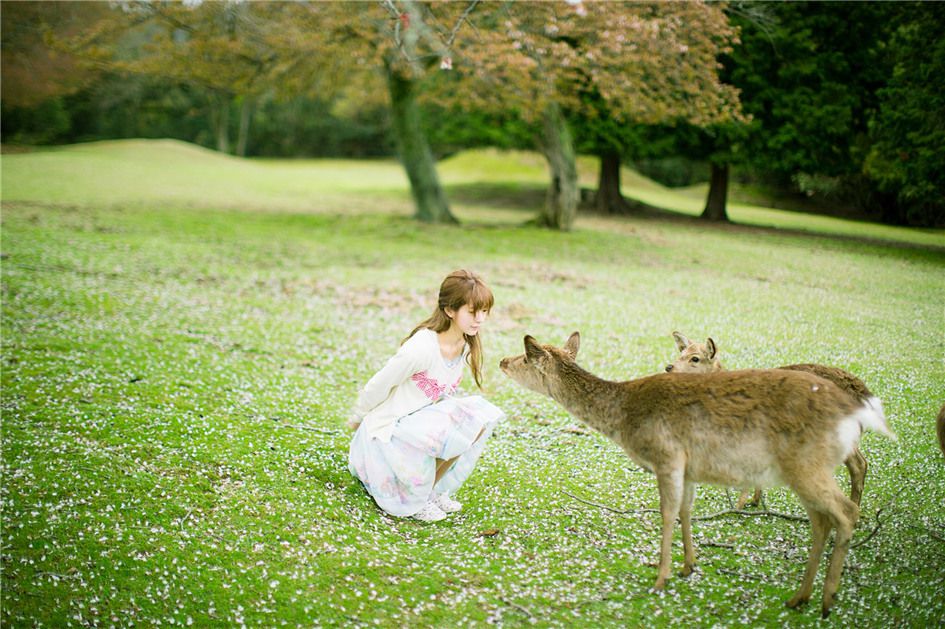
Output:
x=573 y=344
x=711 y=348
x=681 y=341
x=533 y=351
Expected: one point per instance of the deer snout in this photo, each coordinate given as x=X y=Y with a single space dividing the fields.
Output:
x=503 y=363
x=669 y=367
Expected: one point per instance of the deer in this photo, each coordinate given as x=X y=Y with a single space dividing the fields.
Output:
x=729 y=428
x=704 y=358
x=940 y=428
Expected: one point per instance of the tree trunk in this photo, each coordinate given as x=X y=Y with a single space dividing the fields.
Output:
x=221 y=120
x=718 y=193
x=609 y=200
x=415 y=153
x=563 y=193
x=246 y=116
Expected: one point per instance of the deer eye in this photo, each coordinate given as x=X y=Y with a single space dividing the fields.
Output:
x=694 y=359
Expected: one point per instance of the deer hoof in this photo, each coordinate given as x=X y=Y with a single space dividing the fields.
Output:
x=797 y=601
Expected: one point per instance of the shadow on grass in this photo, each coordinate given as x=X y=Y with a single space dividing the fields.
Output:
x=528 y=199
x=656 y=214
x=507 y=196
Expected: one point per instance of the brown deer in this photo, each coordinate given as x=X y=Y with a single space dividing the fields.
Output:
x=941 y=429
x=704 y=358
x=730 y=428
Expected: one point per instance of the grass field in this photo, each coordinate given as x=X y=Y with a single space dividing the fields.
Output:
x=184 y=333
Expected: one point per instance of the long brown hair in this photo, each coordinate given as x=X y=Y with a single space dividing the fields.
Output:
x=461 y=288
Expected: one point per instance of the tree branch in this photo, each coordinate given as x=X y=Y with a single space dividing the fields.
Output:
x=442 y=48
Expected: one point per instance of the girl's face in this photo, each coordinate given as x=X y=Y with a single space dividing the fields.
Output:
x=468 y=319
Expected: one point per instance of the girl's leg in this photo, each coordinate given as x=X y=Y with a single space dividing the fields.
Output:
x=444 y=465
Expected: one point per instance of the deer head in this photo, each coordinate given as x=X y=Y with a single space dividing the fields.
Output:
x=695 y=357
x=537 y=367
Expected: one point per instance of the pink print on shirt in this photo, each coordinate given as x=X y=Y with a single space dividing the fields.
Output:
x=431 y=388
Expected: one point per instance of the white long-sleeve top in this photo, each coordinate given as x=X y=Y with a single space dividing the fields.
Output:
x=416 y=376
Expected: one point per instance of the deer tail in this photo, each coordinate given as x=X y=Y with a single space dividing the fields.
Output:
x=872 y=417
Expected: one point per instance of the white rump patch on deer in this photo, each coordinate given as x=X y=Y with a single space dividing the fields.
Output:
x=872 y=417
x=868 y=417
x=848 y=434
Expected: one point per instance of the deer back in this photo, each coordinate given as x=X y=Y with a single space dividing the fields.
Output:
x=735 y=426
x=842 y=378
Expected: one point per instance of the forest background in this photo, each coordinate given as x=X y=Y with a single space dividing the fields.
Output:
x=837 y=108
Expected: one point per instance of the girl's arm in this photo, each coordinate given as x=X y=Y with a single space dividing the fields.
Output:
x=408 y=360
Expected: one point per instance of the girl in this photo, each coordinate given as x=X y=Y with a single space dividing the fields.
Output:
x=415 y=444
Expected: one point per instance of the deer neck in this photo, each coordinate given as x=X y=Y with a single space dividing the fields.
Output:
x=594 y=400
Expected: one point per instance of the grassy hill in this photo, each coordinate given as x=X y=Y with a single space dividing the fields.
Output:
x=183 y=334
x=481 y=182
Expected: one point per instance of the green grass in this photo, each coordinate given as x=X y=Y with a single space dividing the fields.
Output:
x=183 y=334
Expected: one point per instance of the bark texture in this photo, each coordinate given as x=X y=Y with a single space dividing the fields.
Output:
x=415 y=153
x=715 y=206
x=563 y=193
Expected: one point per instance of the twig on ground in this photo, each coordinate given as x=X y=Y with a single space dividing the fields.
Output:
x=737 y=573
x=277 y=420
x=786 y=516
x=928 y=532
x=185 y=518
x=776 y=514
x=718 y=545
x=879 y=522
x=56 y=575
x=324 y=431
x=518 y=607
x=598 y=505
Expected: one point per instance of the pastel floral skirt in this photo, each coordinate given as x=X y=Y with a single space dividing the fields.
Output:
x=399 y=474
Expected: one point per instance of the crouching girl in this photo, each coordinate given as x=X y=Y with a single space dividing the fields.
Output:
x=415 y=442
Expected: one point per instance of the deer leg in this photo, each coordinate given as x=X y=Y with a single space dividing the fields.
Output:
x=820 y=527
x=685 y=513
x=845 y=513
x=742 y=500
x=857 y=465
x=671 y=491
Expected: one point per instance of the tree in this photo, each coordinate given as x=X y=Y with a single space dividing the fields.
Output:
x=642 y=62
x=651 y=62
x=33 y=72
x=405 y=65
x=337 y=47
x=907 y=159
x=808 y=75
x=221 y=48
x=239 y=51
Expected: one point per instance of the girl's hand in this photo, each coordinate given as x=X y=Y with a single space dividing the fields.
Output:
x=353 y=422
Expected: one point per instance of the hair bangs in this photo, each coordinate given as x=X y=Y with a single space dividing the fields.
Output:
x=480 y=297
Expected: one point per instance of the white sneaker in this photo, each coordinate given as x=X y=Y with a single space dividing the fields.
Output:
x=446 y=504
x=429 y=513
